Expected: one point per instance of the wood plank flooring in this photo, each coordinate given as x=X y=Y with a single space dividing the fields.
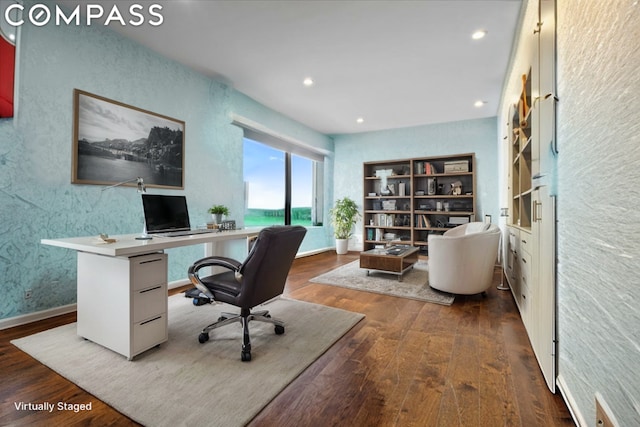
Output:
x=408 y=363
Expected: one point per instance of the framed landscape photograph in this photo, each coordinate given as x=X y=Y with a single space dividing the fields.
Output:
x=114 y=142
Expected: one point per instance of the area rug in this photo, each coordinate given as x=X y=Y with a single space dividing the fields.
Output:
x=413 y=285
x=183 y=382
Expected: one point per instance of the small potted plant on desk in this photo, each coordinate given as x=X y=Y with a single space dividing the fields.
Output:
x=217 y=211
x=343 y=216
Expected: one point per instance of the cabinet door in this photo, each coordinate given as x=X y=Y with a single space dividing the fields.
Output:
x=544 y=311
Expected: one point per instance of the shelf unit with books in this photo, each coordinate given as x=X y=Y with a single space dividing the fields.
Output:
x=387 y=203
x=406 y=200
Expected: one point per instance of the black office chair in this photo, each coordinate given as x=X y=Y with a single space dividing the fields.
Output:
x=259 y=278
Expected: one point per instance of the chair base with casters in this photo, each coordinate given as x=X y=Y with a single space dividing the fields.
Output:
x=260 y=278
x=243 y=318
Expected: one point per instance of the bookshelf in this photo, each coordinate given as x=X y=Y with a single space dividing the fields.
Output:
x=406 y=200
x=521 y=158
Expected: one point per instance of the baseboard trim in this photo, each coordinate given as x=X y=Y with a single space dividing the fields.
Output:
x=578 y=419
x=36 y=316
x=178 y=283
x=314 y=252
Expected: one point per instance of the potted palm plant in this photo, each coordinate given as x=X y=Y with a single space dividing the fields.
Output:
x=217 y=211
x=344 y=215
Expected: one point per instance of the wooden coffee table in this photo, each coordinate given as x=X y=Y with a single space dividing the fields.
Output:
x=394 y=260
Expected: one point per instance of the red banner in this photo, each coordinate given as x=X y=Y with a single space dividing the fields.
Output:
x=7 y=77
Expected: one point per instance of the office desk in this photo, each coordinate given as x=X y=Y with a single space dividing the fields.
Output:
x=122 y=286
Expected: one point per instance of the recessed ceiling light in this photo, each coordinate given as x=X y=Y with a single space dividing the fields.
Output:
x=479 y=103
x=359 y=120
x=308 y=81
x=479 y=34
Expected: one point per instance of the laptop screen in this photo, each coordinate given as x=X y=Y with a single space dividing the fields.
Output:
x=164 y=213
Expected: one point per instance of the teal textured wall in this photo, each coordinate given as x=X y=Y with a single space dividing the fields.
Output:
x=38 y=201
x=36 y=198
x=471 y=136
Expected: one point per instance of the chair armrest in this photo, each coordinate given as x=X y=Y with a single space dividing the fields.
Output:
x=215 y=261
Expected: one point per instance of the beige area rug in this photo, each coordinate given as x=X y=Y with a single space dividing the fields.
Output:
x=185 y=383
x=414 y=283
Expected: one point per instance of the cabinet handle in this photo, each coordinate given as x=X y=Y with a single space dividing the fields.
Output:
x=524 y=241
x=150 y=261
x=150 y=320
x=536 y=217
x=151 y=289
x=524 y=260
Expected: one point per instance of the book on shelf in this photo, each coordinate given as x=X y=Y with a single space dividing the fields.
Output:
x=385 y=220
x=425 y=168
x=422 y=221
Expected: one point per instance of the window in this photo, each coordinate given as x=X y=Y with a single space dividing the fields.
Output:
x=280 y=187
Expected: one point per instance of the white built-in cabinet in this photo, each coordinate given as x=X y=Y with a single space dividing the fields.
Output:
x=122 y=301
x=530 y=241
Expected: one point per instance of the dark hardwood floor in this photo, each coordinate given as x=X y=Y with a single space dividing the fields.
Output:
x=408 y=363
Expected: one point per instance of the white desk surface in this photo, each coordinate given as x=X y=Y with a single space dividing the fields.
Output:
x=127 y=245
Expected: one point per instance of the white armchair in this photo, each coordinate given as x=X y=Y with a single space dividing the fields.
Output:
x=461 y=261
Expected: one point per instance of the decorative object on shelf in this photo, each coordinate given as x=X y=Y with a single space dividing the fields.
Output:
x=112 y=139
x=432 y=185
x=389 y=205
x=344 y=215
x=456 y=188
x=522 y=104
x=228 y=225
x=456 y=166
x=217 y=211
x=384 y=174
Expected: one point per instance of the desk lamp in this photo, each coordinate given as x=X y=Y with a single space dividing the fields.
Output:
x=141 y=189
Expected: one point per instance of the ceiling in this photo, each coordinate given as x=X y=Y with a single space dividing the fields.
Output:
x=393 y=63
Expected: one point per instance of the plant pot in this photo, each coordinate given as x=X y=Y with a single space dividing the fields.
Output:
x=342 y=246
x=217 y=218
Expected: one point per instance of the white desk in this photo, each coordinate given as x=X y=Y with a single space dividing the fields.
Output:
x=122 y=286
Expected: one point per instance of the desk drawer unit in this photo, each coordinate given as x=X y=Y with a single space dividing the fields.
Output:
x=122 y=302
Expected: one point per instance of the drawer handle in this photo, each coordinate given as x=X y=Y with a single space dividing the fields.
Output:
x=150 y=320
x=524 y=241
x=150 y=261
x=151 y=289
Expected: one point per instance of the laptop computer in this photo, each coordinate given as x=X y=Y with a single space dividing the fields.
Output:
x=168 y=216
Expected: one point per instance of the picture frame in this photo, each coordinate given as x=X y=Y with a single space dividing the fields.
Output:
x=114 y=142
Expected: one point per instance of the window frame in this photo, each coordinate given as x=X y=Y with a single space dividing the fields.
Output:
x=289 y=149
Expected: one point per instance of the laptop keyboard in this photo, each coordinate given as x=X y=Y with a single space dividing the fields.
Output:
x=187 y=232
